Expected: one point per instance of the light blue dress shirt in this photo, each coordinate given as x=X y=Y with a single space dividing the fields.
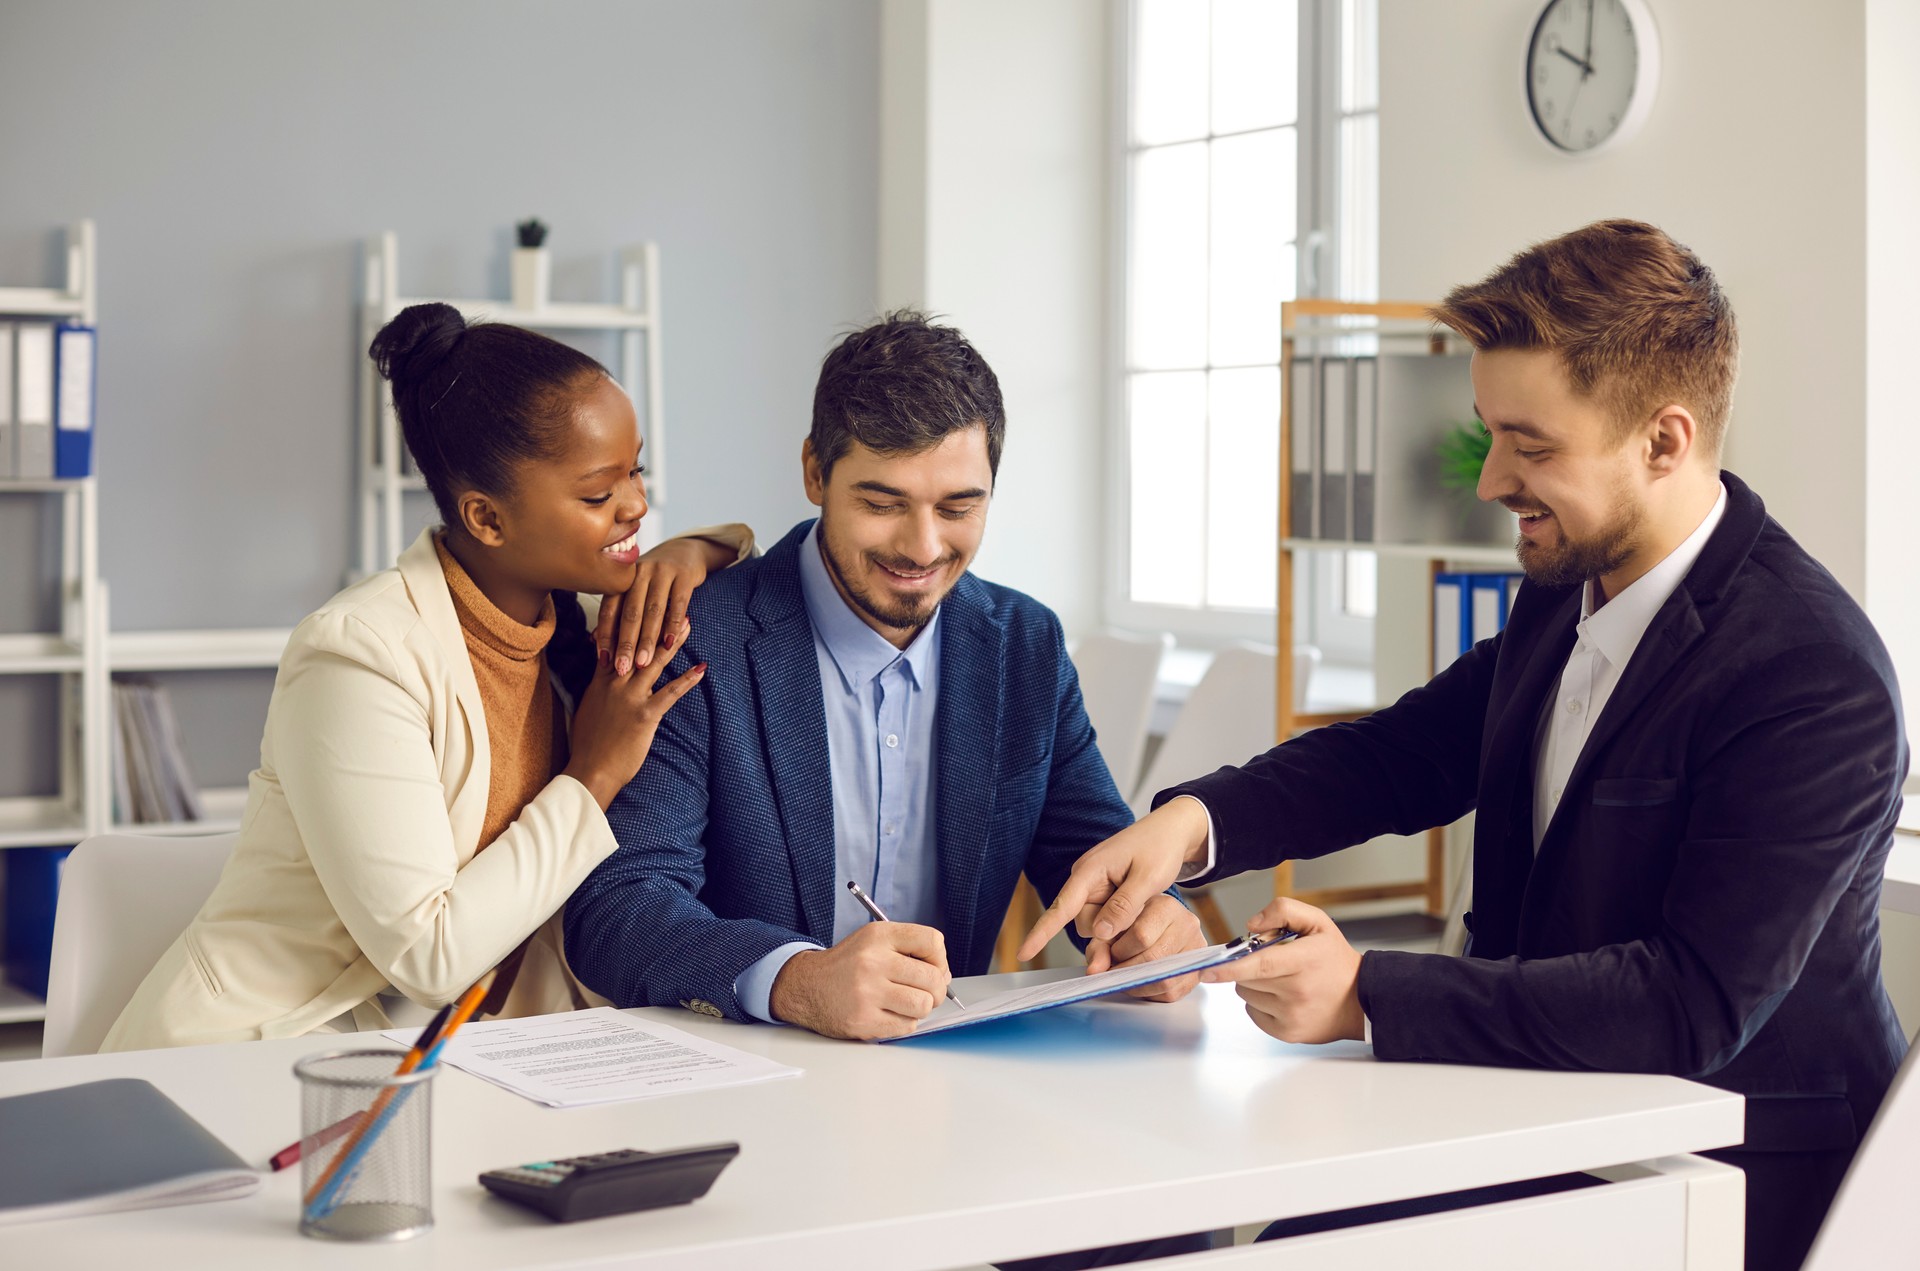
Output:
x=879 y=704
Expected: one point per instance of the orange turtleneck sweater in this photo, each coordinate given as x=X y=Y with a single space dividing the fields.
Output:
x=526 y=733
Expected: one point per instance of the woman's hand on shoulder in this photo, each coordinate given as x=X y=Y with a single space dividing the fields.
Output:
x=614 y=724
x=650 y=619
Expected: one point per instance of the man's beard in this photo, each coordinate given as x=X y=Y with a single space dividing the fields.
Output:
x=911 y=615
x=1572 y=560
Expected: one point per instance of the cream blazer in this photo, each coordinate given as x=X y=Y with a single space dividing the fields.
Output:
x=356 y=871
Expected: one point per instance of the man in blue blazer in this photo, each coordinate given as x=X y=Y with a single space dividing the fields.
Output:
x=872 y=713
x=1685 y=753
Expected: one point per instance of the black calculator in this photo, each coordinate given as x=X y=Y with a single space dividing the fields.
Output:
x=612 y=1182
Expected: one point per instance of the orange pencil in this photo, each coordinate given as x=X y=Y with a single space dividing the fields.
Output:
x=291 y=1153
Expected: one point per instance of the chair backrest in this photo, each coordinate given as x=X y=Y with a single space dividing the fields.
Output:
x=1117 y=677
x=1873 y=1216
x=1227 y=719
x=123 y=899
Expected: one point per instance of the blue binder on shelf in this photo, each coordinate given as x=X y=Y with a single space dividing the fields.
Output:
x=1468 y=608
x=74 y=378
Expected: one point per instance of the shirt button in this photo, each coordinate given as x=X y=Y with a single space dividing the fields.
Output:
x=1557 y=794
x=892 y=829
x=893 y=739
x=1573 y=706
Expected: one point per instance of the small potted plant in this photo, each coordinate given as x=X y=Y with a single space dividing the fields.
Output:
x=1463 y=452
x=531 y=267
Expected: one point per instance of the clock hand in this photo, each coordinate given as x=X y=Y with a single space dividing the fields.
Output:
x=1585 y=69
x=1588 y=64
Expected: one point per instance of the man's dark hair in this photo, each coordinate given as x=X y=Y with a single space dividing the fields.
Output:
x=902 y=386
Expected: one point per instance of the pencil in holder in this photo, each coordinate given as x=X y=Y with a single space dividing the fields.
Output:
x=375 y=1182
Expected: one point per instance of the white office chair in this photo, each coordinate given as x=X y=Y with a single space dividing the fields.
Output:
x=1873 y=1217
x=1227 y=719
x=123 y=899
x=1117 y=677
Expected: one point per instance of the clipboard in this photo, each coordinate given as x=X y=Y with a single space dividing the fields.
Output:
x=1041 y=997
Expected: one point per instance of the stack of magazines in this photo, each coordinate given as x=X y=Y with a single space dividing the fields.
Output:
x=151 y=781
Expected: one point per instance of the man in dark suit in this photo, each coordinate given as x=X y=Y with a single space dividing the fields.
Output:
x=872 y=713
x=1685 y=753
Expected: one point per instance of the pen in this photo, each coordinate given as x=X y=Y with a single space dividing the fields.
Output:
x=1261 y=939
x=866 y=902
x=290 y=1154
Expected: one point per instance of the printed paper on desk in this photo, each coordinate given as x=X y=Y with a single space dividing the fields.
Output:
x=602 y=1055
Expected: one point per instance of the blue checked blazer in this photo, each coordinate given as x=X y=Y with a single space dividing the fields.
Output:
x=726 y=835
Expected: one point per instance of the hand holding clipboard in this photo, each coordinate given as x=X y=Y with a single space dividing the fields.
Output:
x=1303 y=986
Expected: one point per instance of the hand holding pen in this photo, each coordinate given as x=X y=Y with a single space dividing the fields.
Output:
x=867 y=903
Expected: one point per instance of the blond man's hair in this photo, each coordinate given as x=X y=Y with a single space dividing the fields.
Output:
x=1638 y=321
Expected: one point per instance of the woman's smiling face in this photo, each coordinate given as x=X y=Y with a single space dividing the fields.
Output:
x=572 y=520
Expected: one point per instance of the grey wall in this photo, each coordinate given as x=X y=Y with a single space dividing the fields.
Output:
x=235 y=155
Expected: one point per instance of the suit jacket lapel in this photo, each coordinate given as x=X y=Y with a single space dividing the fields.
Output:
x=966 y=757
x=1673 y=631
x=1503 y=829
x=427 y=586
x=793 y=729
x=1679 y=624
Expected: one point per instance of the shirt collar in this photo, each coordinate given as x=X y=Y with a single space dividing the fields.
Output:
x=859 y=652
x=1615 y=629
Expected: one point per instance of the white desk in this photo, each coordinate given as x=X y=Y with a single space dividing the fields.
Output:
x=1901 y=890
x=1086 y=1125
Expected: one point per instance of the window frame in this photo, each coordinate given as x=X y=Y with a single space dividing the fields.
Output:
x=1320 y=616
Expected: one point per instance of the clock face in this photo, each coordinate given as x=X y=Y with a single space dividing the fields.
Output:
x=1591 y=68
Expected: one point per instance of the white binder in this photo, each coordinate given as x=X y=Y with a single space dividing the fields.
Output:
x=1303 y=495
x=33 y=409
x=1336 y=441
x=6 y=400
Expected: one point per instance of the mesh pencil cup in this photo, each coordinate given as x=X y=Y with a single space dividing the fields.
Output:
x=374 y=1179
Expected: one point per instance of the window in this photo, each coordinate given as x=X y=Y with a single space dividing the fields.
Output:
x=1249 y=145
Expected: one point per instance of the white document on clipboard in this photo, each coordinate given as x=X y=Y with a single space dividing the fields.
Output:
x=1039 y=997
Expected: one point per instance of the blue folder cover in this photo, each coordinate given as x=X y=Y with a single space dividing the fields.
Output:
x=74 y=378
x=1018 y=1002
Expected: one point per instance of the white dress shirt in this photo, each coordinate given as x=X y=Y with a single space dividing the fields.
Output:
x=1603 y=645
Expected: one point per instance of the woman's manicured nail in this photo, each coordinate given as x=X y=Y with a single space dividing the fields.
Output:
x=623 y=665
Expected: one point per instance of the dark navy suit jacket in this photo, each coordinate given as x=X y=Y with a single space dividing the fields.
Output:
x=726 y=835
x=1705 y=901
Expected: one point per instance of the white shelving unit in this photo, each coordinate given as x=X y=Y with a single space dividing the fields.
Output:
x=83 y=654
x=384 y=478
x=76 y=651
x=239 y=649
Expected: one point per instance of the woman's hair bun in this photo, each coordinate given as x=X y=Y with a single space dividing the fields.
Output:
x=417 y=340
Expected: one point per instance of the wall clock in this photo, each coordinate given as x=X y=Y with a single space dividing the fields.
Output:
x=1593 y=67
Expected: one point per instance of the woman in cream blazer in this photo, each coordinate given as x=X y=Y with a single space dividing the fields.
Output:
x=358 y=890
